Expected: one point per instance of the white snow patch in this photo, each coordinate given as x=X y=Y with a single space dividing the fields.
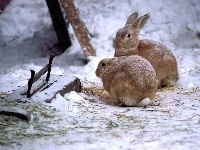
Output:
x=86 y=122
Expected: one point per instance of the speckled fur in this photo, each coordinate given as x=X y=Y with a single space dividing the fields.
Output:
x=126 y=43
x=129 y=80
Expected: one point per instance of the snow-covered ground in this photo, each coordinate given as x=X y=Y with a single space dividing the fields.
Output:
x=85 y=121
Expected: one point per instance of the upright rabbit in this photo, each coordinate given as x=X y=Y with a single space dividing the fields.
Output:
x=162 y=59
x=130 y=80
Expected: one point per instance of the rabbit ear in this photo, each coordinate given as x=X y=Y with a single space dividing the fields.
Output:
x=139 y=24
x=132 y=19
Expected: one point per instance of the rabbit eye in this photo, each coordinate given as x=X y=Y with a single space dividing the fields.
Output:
x=123 y=34
x=129 y=35
x=117 y=46
x=103 y=64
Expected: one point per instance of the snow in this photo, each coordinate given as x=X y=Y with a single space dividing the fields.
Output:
x=85 y=121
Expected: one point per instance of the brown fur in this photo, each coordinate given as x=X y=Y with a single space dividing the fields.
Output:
x=128 y=79
x=126 y=43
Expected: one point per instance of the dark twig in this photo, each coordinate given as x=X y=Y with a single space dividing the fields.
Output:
x=30 y=83
x=35 y=77
x=49 y=67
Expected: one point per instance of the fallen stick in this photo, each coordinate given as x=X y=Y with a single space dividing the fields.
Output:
x=40 y=73
x=35 y=77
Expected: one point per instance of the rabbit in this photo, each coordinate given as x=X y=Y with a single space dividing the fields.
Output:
x=130 y=80
x=127 y=43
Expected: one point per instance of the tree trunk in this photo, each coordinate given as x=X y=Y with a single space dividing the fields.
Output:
x=59 y=25
x=79 y=27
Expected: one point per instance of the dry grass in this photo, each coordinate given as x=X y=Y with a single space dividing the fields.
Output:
x=99 y=92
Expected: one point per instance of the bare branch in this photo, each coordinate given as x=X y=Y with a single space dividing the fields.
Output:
x=79 y=27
